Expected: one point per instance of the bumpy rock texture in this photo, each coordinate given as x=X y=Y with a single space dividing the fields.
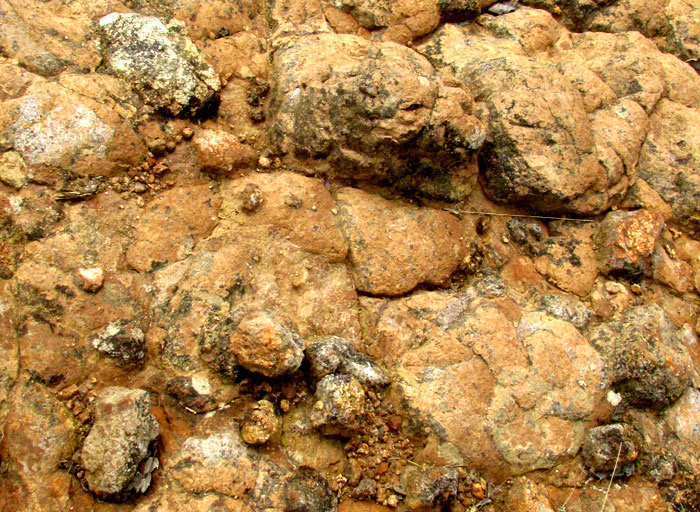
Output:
x=352 y=255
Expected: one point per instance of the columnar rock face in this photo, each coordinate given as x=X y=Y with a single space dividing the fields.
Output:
x=349 y=255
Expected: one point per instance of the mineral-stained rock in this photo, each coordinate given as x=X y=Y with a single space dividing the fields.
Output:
x=216 y=461
x=165 y=234
x=568 y=262
x=54 y=128
x=300 y=207
x=446 y=349
x=38 y=433
x=428 y=487
x=610 y=445
x=122 y=341
x=524 y=495
x=220 y=152
x=260 y=423
x=176 y=79
x=266 y=343
x=307 y=491
x=13 y=171
x=626 y=241
x=329 y=355
x=339 y=405
x=672 y=272
x=669 y=156
x=118 y=441
x=523 y=125
x=566 y=308
x=374 y=111
x=647 y=360
x=394 y=247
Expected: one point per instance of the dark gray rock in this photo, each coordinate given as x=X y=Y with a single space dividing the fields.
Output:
x=307 y=491
x=122 y=341
x=118 y=441
x=162 y=65
x=645 y=355
x=329 y=355
x=602 y=445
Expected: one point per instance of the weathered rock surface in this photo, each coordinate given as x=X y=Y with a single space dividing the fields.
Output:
x=299 y=207
x=221 y=153
x=310 y=185
x=452 y=348
x=377 y=231
x=176 y=80
x=118 y=441
x=374 y=111
x=647 y=361
x=60 y=132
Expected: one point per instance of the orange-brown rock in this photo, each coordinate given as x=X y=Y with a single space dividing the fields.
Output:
x=395 y=247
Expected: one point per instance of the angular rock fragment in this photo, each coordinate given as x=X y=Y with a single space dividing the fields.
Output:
x=330 y=355
x=307 y=491
x=339 y=405
x=648 y=362
x=90 y=279
x=626 y=241
x=176 y=79
x=568 y=262
x=428 y=487
x=118 y=441
x=220 y=152
x=122 y=341
x=610 y=445
x=395 y=247
x=260 y=424
x=266 y=343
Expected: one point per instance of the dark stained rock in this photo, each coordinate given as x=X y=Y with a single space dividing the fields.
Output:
x=123 y=341
x=428 y=487
x=374 y=111
x=609 y=446
x=307 y=491
x=646 y=358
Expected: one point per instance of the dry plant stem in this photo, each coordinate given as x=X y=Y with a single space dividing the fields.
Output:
x=493 y=214
x=617 y=459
